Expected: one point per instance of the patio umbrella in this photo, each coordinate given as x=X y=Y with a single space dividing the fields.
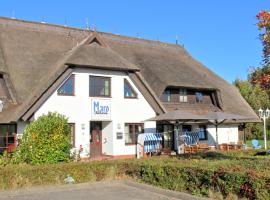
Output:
x=178 y=115
x=218 y=118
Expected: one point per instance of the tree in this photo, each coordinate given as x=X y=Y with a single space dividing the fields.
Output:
x=261 y=75
x=46 y=140
x=256 y=90
x=257 y=98
x=264 y=25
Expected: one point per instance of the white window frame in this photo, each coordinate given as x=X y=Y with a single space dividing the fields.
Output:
x=183 y=95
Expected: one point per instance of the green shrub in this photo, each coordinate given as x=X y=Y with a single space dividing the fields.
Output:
x=5 y=159
x=46 y=140
x=246 y=177
x=227 y=174
x=24 y=175
x=200 y=181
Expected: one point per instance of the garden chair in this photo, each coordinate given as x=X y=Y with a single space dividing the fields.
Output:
x=194 y=149
x=187 y=149
x=203 y=147
x=240 y=145
x=255 y=144
x=223 y=147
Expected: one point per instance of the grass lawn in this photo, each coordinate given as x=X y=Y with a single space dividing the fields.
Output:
x=261 y=142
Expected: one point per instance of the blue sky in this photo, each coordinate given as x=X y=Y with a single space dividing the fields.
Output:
x=220 y=34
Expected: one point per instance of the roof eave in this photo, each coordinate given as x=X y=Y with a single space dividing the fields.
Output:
x=104 y=67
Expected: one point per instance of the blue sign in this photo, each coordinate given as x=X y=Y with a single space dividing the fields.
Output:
x=100 y=109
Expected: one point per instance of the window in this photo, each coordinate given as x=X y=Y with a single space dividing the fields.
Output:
x=131 y=133
x=199 y=97
x=99 y=86
x=186 y=128
x=128 y=90
x=183 y=95
x=7 y=137
x=72 y=134
x=202 y=133
x=67 y=89
x=166 y=96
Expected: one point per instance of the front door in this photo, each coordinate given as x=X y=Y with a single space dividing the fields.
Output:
x=95 y=138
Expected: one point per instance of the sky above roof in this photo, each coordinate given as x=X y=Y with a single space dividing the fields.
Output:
x=220 y=34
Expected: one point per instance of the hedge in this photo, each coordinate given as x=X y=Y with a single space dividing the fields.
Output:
x=245 y=177
x=201 y=181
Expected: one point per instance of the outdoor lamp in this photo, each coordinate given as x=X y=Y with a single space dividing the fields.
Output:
x=267 y=112
x=260 y=112
x=264 y=114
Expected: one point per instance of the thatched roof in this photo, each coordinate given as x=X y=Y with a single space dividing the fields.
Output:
x=34 y=55
x=178 y=115
x=95 y=55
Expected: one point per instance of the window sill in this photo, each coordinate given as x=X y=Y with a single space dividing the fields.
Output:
x=130 y=144
x=105 y=97
x=66 y=95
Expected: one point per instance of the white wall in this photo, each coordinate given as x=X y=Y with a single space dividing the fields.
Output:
x=20 y=127
x=227 y=133
x=78 y=110
x=107 y=137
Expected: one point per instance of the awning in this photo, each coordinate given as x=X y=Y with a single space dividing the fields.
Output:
x=152 y=142
x=178 y=115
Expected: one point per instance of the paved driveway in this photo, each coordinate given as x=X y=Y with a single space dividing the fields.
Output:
x=114 y=190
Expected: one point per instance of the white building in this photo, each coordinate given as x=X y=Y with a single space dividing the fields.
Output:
x=108 y=86
x=112 y=115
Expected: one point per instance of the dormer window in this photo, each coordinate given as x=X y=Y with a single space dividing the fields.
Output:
x=129 y=92
x=67 y=89
x=181 y=96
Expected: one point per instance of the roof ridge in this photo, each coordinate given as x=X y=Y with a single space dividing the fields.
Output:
x=68 y=28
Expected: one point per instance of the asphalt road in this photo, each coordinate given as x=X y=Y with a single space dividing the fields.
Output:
x=113 y=190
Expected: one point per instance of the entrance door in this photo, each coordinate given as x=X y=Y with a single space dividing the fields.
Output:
x=95 y=138
x=168 y=136
x=167 y=131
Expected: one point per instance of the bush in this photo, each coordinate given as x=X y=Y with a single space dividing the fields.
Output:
x=227 y=174
x=25 y=175
x=5 y=159
x=202 y=181
x=199 y=177
x=46 y=140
